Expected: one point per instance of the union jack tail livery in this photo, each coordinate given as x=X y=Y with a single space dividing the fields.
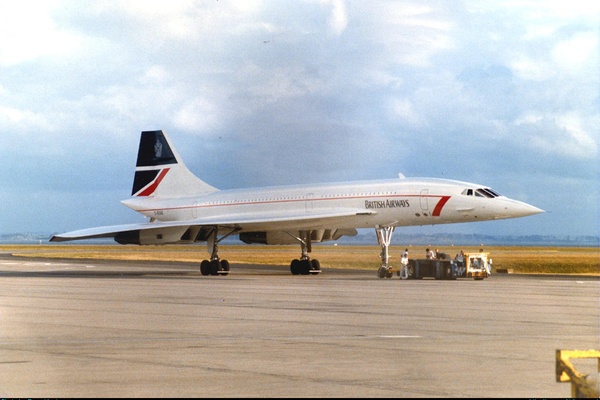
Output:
x=160 y=172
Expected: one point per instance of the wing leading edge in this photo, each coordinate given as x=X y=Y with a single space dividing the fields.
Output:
x=173 y=231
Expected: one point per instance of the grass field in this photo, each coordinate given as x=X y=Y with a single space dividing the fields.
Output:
x=521 y=260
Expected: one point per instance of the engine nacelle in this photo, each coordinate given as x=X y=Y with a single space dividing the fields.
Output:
x=156 y=236
x=281 y=237
x=276 y=237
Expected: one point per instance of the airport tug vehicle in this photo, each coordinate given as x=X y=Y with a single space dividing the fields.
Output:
x=477 y=266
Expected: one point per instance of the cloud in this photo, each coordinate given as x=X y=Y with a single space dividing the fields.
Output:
x=257 y=93
x=32 y=32
x=577 y=53
x=198 y=115
x=404 y=110
x=338 y=19
x=562 y=135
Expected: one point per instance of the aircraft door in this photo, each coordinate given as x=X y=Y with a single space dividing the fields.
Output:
x=195 y=210
x=308 y=204
x=423 y=201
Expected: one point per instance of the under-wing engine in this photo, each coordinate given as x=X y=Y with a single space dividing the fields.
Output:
x=157 y=236
x=282 y=237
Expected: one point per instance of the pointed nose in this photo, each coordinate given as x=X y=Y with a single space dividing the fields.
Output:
x=517 y=208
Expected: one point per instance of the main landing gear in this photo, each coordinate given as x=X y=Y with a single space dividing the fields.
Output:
x=304 y=266
x=384 y=238
x=215 y=266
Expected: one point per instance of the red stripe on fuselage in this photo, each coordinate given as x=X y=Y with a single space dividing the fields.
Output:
x=152 y=187
x=438 y=207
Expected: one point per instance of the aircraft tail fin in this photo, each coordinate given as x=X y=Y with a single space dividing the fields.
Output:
x=160 y=172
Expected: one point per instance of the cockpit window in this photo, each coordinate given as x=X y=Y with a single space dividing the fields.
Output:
x=481 y=192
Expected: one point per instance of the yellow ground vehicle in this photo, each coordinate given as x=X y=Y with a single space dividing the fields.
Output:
x=477 y=266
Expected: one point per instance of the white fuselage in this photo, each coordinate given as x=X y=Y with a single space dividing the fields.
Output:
x=399 y=202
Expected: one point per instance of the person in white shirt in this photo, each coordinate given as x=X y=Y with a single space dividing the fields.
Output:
x=430 y=255
x=404 y=265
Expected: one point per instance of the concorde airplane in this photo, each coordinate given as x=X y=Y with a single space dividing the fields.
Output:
x=184 y=209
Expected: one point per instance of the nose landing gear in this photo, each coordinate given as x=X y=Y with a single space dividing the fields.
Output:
x=384 y=238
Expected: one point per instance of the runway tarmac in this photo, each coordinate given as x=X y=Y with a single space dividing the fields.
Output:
x=130 y=329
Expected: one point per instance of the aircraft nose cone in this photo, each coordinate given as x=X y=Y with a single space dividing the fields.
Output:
x=522 y=209
x=509 y=208
x=535 y=210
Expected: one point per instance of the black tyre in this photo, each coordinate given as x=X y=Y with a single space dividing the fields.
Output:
x=305 y=267
x=205 y=267
x=225 y=267
x=315 y=266
x=215 y=267
x=295 y=267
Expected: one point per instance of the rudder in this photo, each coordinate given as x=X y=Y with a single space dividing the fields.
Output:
x=154 y=150
x=159 y=170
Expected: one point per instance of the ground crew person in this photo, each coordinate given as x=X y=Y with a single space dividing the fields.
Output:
x=460 y=260
x=429 y=254
x=404 y=265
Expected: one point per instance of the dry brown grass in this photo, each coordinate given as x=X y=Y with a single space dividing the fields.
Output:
x=550 y=260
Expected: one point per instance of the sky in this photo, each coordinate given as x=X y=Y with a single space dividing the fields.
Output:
x=259 y=93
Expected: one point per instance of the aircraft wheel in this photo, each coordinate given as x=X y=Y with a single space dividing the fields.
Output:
x=225 y=267
x=295 y=267
x=205 y=267
x=381 y=272
x=315 y=267
x=215 y=267
x=305 y=267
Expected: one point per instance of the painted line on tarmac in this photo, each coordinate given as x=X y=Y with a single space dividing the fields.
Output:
x=399 y=336
x=56 y=266
x=196 y=339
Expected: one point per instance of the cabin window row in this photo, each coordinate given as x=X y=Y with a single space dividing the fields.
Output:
x=301 y=198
